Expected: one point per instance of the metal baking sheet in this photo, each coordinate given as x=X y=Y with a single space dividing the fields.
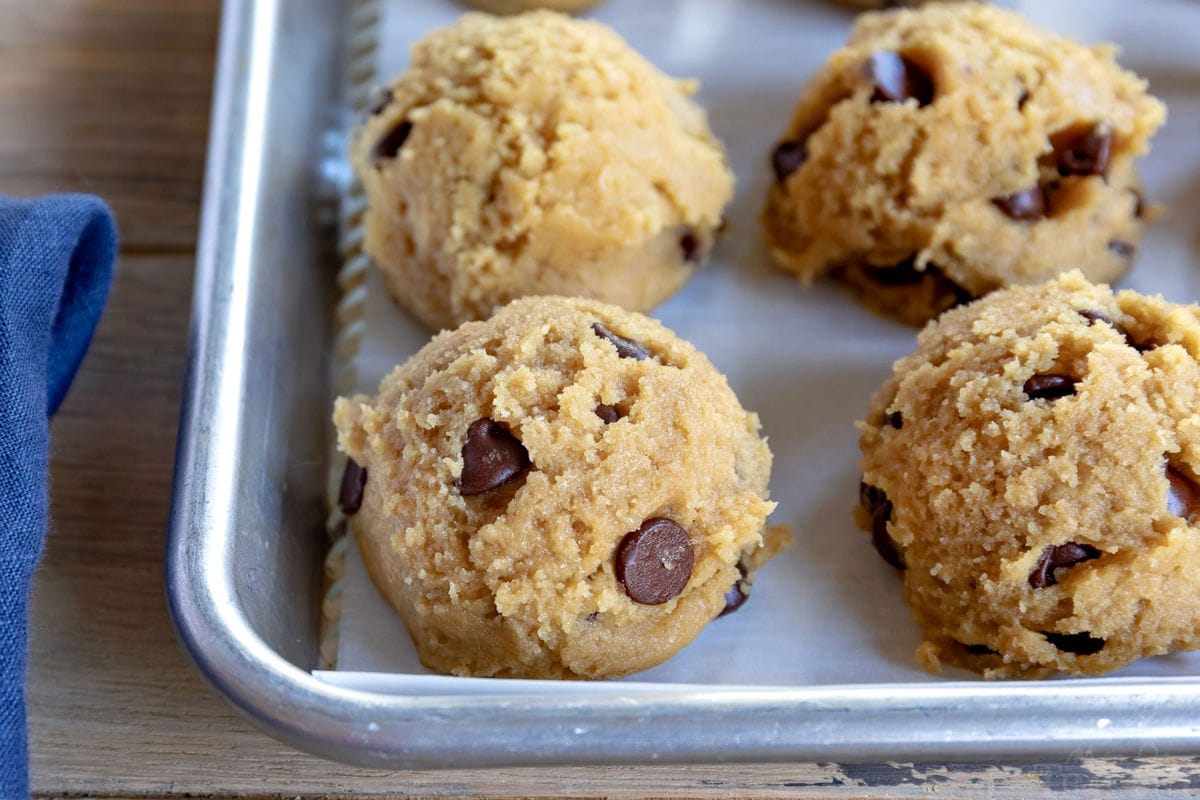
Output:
x=246 y=538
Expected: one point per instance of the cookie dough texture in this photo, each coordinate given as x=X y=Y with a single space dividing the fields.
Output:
x=1034 y=464
x=536 y=154
x=520 y=581
x=517 y=6
x=900 y=190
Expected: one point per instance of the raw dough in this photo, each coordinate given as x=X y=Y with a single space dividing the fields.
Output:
x=517 y=6
x=1034 y=464
x=953 y=149
x=536 y=154
x=531 y=475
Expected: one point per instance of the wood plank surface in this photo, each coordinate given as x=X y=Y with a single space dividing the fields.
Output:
x=111 y=96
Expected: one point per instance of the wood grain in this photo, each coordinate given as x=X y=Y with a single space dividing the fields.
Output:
x=111 y=96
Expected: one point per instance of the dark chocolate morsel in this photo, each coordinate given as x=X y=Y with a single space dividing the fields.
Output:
x=904 y=273
x=875 y=502
x=380 y=101
x=1122 y=249
x=609 y=414
x=1025 y=206
x=1049 y=386
x=1081 y=644
x=896 y=420
x=491 y=456
x=1095 y=316
x=898 y=78
x=736 y=596
x=655 y=562
x=1183 y=496
x=1086 y=153
x=692 y=247
x=1139 y=203
x=626 y=348
x=787 y=158
x=1060 y=556
x=388 y=146
x=354 y=482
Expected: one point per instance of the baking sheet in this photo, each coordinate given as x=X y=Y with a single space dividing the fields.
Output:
x=828 y=611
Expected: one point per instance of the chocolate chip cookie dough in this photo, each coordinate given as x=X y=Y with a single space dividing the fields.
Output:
x=566 y=490
x=517 y=6
x=1032 y=468
x=536 y=154
x=954 y=149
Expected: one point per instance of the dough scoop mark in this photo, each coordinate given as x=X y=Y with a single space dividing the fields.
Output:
x=354 y=482
x=692 y=247
x=737 y=594
x=1063 y=556
x=896 y=420
x=626 y=348
x=898 y=78
x=609 y=414
x=1183 y=496
x=1123 y=249
x=1027 y=206
x=787 y=158
x=1085 y=153
x=388 y=146
x=380 y=102
x=655 y=562
x=980 y=650
x=1049 y=386
x=491 y=456
x=1080 y=644
x=880 y=508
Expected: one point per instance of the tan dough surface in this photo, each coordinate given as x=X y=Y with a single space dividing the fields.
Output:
x=982 y=479
x=542 y=156
x=517 y=6
x=896 y=198
x=519 y=581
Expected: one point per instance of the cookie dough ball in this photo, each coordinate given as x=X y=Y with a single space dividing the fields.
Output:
x=954 y=149
x=1033 y=469
x=517 y=6
x=536 y=154
x=567 y=490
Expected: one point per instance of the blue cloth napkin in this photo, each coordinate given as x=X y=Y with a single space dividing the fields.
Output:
x=56 y=262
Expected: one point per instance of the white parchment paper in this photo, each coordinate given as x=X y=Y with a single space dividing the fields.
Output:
x=828 y=611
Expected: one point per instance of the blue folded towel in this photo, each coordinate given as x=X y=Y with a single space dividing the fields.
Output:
x=56 y=261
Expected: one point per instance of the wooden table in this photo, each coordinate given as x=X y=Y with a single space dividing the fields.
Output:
x=111 y=97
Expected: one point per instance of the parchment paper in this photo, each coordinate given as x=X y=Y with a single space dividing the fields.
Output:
x=828 y=611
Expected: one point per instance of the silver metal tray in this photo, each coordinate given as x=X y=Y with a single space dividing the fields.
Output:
x=247 y=538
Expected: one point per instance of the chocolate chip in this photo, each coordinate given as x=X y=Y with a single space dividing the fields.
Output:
x=736 y=596
x=880 y=508
x=491 y=456
x=1086 y=153
x=1081 y=644
x=787 y=158
x=354 y=481
x=609 y=414
x=626 y=348
x=392 y=141
x=1049 y=386
x=1022 y=99
x=380 y=101
x=905 y=273
x=898 y=78
x=692 y=247
x=980 y=650
x=1183 y=496
x=655 y=562
x=1060 y=556
x=896 y=420
x=1122 y=249
x=1096 y=316
x=1025 y=206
